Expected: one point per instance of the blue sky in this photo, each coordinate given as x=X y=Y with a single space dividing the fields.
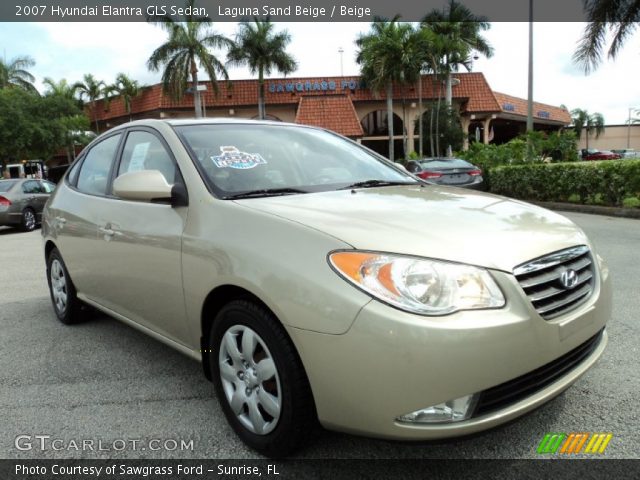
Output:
x=68 y=50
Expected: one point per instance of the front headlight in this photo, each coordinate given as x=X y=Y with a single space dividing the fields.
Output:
x=427 y=287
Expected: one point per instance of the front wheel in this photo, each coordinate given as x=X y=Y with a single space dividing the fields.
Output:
x=259 y=380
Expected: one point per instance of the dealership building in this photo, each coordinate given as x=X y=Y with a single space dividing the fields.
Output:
x=346 y=106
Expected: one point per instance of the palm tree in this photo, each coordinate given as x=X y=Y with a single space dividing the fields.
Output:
x=259 y=47
x=619 y=17
x=414 y=46
x=461 y=32
x=127 y=89
x=15 y=74
x=591 y=123
x=380 y=52
x=187 y=46
x=61 y=88
x=91 y=89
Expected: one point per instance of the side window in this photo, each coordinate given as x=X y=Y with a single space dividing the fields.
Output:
x=145 y=151
x=48 y=186
x=94 y=172
x=30 y=187
x=72 y=176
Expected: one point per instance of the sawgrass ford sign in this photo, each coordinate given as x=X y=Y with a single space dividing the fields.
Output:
x=310 y=86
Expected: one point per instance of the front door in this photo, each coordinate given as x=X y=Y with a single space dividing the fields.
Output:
x=141 y=245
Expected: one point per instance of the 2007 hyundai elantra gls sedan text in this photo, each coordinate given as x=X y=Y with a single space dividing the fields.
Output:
x=317 y=281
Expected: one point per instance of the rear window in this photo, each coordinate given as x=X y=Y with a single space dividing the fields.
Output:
x=5 y=185
x=453 y=163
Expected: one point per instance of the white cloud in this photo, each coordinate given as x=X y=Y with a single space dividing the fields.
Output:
x=70 y=50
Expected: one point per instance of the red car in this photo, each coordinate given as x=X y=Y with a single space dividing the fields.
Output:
x=593 y=154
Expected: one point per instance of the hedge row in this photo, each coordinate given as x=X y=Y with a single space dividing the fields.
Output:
x=608 y=182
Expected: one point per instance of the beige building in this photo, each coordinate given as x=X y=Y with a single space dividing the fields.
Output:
x=614 y=137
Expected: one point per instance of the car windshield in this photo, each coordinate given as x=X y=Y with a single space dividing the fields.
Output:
x=445 y=163
x=5 y=185
x=263 y=160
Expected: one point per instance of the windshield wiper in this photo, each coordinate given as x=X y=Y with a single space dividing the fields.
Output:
x=375 y=183
x=265 y=192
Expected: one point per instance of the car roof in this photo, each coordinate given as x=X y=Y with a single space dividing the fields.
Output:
x=175 y=122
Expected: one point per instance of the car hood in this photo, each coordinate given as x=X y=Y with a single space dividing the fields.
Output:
x=436 y=222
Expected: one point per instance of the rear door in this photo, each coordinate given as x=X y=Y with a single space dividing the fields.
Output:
x=141 y=244
x=74 y=215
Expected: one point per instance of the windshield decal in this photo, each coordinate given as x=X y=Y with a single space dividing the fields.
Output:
x=233 y=158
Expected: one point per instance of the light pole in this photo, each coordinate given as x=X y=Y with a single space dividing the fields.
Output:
x=530 y=85
x=341 y=51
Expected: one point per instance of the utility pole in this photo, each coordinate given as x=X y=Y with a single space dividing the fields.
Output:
x=341 y=52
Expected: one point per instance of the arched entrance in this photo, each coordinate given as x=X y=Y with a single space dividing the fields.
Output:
x=376 y=133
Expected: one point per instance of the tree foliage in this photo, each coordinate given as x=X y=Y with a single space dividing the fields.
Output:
x=263 y=50
x=188 y=45
x=15 y=73
x=618 y=17
x=36 y=127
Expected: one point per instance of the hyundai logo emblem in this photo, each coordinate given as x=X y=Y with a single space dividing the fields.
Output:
x=569 y=278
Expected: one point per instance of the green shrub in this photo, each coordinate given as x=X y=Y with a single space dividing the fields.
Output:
x=607 y=182
x=631 y=202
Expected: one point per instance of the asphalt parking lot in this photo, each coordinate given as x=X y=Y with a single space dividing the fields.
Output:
x=104 y=381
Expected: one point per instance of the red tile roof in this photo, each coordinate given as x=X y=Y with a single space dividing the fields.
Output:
x=518 y=106
x=334 y=112
x=473 y=92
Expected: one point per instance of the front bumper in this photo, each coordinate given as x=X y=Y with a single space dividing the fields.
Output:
x=391 y=363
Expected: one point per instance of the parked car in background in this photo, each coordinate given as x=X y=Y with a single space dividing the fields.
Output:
x=594 y=154
x=317 y=281
x=454 y=172
x=22 y=201
x=627 y=153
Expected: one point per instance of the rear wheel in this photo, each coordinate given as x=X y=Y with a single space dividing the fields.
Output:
x=260 y=381
x=68 y=308
x=28 y=220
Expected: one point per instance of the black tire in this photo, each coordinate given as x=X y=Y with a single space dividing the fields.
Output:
x=73 y=310
x=297 y=422
x=29 y=220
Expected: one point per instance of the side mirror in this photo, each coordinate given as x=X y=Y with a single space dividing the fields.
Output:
x=142 y=185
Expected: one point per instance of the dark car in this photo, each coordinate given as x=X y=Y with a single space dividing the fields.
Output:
x=447 y=171
x=22 y=201
x=593 y=154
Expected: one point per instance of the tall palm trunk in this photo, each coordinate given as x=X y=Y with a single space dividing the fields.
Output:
x=438 y=118
x=196 y=93
x=432 y=152
x=261 y=112
x=404 y=125
x=390 y=119
x=586 y=134
x=420 y=132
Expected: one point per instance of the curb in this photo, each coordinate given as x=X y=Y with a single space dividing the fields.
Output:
x=592 y=209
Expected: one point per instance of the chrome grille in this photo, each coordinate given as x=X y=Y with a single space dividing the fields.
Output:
x=542 y=281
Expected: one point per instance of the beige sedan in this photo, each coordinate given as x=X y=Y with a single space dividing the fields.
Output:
x=316 y=281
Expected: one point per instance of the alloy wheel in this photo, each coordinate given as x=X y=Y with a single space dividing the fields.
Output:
x=29 y=220
x=250 y=379
x=58 y=286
